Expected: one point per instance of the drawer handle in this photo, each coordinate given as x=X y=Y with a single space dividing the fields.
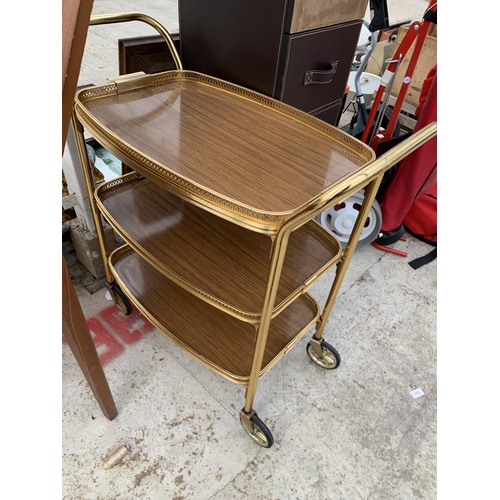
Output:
x=318 y=76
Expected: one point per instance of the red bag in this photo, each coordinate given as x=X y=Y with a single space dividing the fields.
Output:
x=408 y=201
x=421 y=219
x=417 y=173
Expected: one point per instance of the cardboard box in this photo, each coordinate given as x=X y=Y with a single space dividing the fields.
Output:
x=383 y=51
x=427 y=59
x=312 y=14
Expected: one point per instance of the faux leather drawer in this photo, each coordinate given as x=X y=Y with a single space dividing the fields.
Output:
x=234 y=40
x=317 y=64
x=312 y=14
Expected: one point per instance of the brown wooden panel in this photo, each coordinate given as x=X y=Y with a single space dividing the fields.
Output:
x=75 y=22
x=77 y=335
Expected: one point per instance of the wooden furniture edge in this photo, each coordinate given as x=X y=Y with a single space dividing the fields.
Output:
x=76 y=17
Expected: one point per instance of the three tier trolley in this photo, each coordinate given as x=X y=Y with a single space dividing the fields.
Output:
x=218 y=214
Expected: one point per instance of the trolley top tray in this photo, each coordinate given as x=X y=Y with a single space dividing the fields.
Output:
x=235 y=152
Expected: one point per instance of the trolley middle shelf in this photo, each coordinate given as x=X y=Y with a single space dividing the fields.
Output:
x=221 y=263
x=220 y=341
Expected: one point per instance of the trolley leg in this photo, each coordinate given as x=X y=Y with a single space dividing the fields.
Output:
x=89 y=181
x=256 y=429
x=342 y=266
x=248 y=417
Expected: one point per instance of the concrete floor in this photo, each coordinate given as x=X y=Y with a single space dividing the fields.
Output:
x=352 y=433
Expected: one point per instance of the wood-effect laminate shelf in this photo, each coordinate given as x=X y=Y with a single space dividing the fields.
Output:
x=220 y=262
x=220 y=341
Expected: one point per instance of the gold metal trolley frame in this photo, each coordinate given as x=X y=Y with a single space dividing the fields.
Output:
x=218 y=213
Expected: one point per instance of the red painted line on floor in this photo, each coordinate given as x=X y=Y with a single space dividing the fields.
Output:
x=131 y=328
x=114 y=331
x=102 y=337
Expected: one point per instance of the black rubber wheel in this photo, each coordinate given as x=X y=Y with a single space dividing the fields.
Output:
x=120 y=300
x=330 y=359
x=258 y=431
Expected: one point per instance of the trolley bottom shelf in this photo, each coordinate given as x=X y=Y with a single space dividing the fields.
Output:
x=217 y=339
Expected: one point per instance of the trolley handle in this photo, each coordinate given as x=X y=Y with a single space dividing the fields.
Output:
x=139 y=16
x=365 y=175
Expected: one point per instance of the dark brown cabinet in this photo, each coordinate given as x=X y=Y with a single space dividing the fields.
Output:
x=299 y=52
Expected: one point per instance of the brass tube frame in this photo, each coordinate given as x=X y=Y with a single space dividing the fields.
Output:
x=89 y=182
x=124 y=17
x=78 y=127
x=369 y=176
x=343 y=264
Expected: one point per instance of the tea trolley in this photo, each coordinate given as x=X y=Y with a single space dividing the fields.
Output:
x=218 y=214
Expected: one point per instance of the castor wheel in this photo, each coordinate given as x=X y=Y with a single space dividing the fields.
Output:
x=257 y=430
x=323 y=354
x=120 y=300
